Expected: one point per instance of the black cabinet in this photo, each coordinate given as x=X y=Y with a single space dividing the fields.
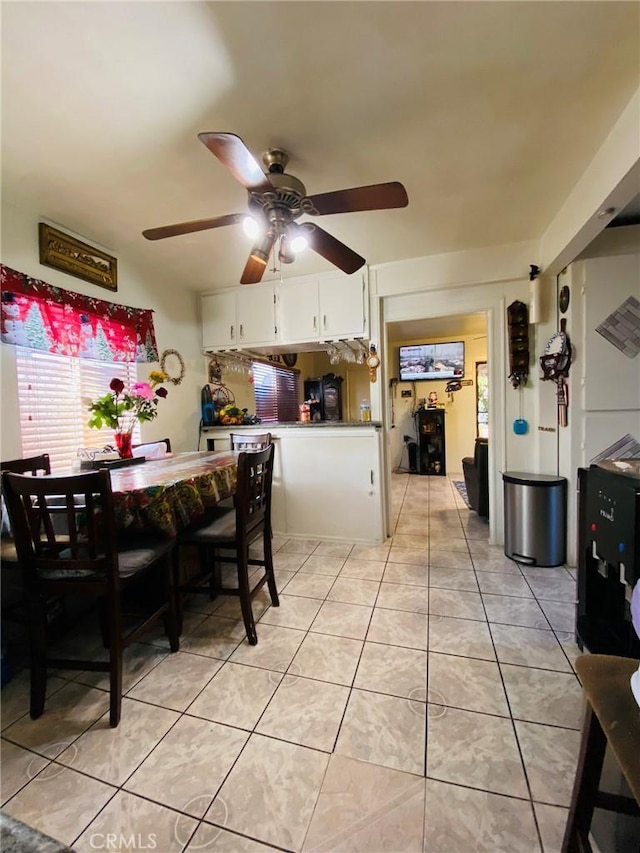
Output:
x=431 y=442
x=325 y=396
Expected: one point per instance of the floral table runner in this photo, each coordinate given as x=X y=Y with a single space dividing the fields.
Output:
x=168 y=494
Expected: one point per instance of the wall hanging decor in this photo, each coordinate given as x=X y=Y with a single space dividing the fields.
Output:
x=373 y=362
x=172 y=364
x=555 y=364
x=38 y=315
x=518 y=326
x=68 y=254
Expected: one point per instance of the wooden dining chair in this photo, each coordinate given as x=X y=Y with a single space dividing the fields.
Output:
x=243 y=441
x=235 y=530
x=11 y=580
x=154 y=448
x=83 y=561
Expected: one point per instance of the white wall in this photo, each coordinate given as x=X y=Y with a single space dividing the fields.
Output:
x=175 y=319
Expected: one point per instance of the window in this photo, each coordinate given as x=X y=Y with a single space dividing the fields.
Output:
x=52 y=394
x=276 y=391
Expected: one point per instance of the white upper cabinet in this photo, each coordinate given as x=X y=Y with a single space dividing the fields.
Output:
x=219 y=321
x=299 y=310
x=324 y=308
x=344 y=303
x=242 y=317
x=256 y=314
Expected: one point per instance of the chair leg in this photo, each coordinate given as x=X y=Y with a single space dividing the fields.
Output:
x=214 y=570
x=175 y=582
x=268 y=568
x=115 y=662
x=593 y=745
x=103 y=612
x=245 y=597
x=38 y=655
x=171 y=616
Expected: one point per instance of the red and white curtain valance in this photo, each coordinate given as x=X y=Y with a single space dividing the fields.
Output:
x=40 y=316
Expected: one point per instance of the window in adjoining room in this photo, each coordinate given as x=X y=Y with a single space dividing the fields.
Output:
x=53 y=394
x=277 y=391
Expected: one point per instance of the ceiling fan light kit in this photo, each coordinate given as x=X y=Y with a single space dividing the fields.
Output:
x=276 y=200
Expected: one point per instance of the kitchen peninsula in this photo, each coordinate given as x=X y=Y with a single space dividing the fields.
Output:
x=327 y=480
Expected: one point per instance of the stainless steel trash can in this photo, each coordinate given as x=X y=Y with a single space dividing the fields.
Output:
x=535 y=518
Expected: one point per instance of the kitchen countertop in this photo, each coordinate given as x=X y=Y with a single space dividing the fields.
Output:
x=296 y=424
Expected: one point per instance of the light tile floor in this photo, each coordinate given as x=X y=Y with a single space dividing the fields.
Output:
x=414 y=696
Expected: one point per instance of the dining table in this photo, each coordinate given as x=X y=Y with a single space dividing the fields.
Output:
x=168 y=494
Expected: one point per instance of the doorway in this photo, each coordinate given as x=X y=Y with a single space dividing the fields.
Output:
x=408 y=318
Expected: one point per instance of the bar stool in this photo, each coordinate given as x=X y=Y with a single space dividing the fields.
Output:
x=612 y=716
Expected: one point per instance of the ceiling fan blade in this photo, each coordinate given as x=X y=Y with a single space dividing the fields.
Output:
x=190 y=227
x=374 y=197
x=333 y=250
x=234 y=154
x=258 y=260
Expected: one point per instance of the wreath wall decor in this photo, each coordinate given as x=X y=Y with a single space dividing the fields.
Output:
x=163 y=359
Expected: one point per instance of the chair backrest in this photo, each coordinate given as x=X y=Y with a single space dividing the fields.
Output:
x=153 y=449
x=31 y=465
x=242 y=441
x=253 y=493
x=86 y=550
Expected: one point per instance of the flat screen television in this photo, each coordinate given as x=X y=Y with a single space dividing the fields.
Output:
x=432 y=361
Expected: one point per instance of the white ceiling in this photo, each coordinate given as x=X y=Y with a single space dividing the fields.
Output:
x=487 y=112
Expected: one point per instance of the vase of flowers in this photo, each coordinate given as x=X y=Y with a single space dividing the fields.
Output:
x=121 y=408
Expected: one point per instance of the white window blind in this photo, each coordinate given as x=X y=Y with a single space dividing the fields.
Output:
x=276 y=390
x=53 y=391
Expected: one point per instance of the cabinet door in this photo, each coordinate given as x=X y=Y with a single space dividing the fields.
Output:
x=343 y=306
x=332 y=485
x=219 y=327
x=256 y=315
x=299 y=311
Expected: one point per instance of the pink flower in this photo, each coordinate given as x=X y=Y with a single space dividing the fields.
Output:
x=142 y=389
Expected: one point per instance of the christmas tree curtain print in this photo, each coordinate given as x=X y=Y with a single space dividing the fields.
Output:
x=39 y=316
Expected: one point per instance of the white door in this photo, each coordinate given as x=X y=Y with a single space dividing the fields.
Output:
x=299 y=312
x=219 y=319
x=342 y=306
x=256 y=315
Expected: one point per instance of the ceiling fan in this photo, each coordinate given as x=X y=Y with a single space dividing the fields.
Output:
x=276 y=201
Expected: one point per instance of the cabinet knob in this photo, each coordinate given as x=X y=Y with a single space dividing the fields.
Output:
x=231 y=332
x=315 y=322
x=241 y=331
x=324 y=322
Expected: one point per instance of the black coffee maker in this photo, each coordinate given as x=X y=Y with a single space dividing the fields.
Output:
x=324 y=395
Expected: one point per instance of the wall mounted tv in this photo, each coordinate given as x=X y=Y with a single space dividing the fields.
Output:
x=432 y=361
